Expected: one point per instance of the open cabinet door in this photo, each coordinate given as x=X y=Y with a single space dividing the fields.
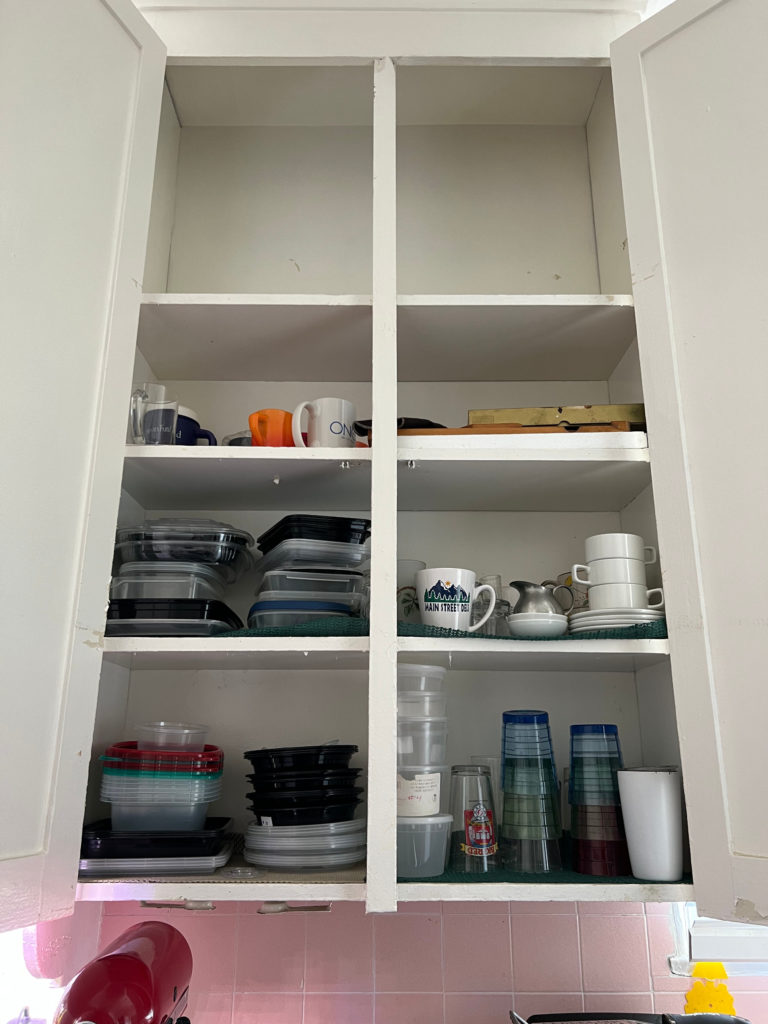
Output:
x=80 y=92
x=691 y=88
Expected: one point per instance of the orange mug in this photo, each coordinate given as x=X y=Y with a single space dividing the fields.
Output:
x=271 y=428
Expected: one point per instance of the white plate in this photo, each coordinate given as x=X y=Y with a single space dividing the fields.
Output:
x=648 y=613
x=575 y=630
x=538 y=617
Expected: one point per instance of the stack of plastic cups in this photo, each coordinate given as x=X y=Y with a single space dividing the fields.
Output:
x=422 y=773
x=597 y=829
x=531 y=829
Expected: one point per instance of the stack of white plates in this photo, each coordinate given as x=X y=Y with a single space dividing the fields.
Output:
x=612 y=618
x=337 y=844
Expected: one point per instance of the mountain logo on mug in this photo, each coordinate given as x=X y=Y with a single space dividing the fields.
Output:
x=441 y=594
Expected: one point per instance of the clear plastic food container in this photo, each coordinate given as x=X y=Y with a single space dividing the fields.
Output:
x=420 y=677
x=168 y=580
x=316 y=554
x=351 y=602
x=421 y=703
x=326 y=582
x=158 y=817
x=171 y=736
x=421 y=741
x=423 y=790
x=186 y=540
x=128 y=866
x=293 y=613
x=422 y=845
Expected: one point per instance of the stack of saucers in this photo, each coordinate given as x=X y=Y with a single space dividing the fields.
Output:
x=613 y=618
x=306 y=847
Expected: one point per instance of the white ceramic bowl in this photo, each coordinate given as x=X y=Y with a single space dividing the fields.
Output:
x=537 y=624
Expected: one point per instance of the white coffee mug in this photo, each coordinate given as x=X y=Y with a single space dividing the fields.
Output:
x=618 y=545
x=624 y=595
x=610 y=570
x=651 y=806
x=446 y=596
x=331 y=423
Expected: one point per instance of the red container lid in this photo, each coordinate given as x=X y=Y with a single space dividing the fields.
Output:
x=126 y=756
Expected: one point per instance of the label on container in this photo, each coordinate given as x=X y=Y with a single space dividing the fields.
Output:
x=479 y=832
x=418 y=796
x=265 y=820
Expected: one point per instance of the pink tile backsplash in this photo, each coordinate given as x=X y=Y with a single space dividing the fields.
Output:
x=614 y=953
x=476 y=953
x=431 y=963
x=545 y=954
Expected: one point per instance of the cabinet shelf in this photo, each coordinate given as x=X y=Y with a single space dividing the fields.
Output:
x=244 y=478
x=256 y=337
x=521 y=478
x=529 y=655
x=270 y=885
x=641 y=892
x=242 y=652
x=512 y=337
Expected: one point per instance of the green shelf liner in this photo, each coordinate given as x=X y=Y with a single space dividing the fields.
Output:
x=546 y=878
x=342 y=625
x=647 y=631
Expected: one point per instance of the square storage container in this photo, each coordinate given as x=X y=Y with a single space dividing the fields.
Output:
x=158 y=817
x=328 y=581
x=168 y=580
x=420 y=677
x=421 y=741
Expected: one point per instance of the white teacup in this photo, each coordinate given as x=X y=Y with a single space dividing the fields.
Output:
x=446 y=596
x=610 y=570
x=624 y=595
x=330 y=425
x=618 y=545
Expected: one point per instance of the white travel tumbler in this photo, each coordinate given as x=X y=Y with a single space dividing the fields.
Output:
x=652 y=811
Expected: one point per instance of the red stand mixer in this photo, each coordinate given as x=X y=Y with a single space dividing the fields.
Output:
x=140 y=978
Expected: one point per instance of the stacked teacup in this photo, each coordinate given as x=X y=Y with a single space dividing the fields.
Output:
x=615 y=575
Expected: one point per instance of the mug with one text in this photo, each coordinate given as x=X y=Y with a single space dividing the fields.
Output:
x=330 y=423
x=446 y=596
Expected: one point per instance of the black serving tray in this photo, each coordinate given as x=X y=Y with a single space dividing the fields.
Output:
x=100 y=840
x=305 y=527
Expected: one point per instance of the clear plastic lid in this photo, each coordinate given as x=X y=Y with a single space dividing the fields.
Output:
x=296 y=552
x=330 y=828
x=432 y=822
x=173 y=528
x=155 y=570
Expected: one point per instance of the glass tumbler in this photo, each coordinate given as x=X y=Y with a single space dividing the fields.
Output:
x=474 y=844
x=153 y=415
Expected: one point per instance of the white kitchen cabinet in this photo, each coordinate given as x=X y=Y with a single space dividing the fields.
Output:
x=431 y=231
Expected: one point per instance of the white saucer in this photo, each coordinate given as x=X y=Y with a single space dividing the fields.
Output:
x=618 y=613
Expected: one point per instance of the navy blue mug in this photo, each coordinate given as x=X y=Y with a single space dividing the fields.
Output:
x=188 y=428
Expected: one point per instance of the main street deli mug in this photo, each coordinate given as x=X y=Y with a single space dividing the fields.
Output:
x=446 y=597
x=331 y=424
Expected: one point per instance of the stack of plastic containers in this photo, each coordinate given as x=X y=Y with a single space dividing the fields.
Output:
x=423 y=776
x=531 y=829
x=597 y=829
x=304 y=800
x=310 y=569
x=165 y=785
x=172 y=575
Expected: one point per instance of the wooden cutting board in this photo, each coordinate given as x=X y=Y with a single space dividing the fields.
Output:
x=518 y=428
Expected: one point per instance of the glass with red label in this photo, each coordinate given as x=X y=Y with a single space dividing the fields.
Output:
x=474 y=843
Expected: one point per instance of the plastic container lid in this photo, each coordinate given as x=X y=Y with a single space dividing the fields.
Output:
x=295 y=552
x=172 y=528
x=328 y=828
x=336 y=607
x=156 y=865
x=153 y=570
x=433 y=822
x=304 y=861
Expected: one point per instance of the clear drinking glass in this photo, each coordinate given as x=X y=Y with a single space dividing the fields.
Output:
x=153 y=415
x=474 y=845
